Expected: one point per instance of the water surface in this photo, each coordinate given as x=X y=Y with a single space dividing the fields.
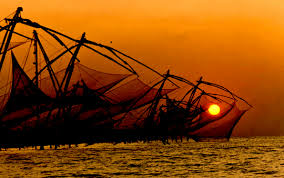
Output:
x=246 y=157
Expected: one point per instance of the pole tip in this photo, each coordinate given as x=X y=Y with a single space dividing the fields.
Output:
x=19 y=9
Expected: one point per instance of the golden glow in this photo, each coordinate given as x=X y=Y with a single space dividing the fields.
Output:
x=214 y=109
x=244 y=39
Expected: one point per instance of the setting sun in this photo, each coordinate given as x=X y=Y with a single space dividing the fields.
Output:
x=214 y=109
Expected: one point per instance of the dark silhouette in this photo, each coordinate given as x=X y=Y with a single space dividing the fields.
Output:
x=82 y=105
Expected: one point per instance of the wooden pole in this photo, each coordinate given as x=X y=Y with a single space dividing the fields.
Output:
x=36 y=59
x=70 y=67
x=50 y=70
x=13 y=24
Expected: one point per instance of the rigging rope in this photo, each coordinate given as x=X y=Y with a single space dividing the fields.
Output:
x=146 y=85
x=58 y=51
x=24 y=63
x=27 y=55
x=47 y=41
x=8 y=16
x=40 y=61
x=91 y=76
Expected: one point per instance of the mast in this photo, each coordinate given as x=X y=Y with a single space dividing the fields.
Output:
x=11 y=29
x=154 y=105
x=36 y=60
x=70 y=67
x=53 y=60
x=189 y=103
x=37 y=108
x=50 y=70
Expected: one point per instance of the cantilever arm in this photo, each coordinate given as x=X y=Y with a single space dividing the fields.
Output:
x=7 y=28
x=225 y=89
x=53 y=60
x=205 y=93
x=182 y=80
x=123 y=61
x=110 y=58
x=48 y=30
x=36 y=25
x=60 y=42
x=129 y=57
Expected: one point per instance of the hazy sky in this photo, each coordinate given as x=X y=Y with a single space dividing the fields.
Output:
x=239 y=44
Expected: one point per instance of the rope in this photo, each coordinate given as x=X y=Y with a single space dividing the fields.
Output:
x=27 y=55
x=92 y=76
x=8 y=16
x=47 y=41
x=58 y=50
x=24 y=63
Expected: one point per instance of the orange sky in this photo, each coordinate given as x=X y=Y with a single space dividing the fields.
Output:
x=238 y=44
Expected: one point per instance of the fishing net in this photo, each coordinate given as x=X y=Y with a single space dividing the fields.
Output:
x=207 y=126
x=93 y=79
x=13 y=45
x=23 y=93
x=123 y=99
x=131 y=120
x=26 y=95
x=135 y=92
x=205 y=117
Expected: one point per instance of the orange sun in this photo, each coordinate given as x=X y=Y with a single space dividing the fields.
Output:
x=214 y=109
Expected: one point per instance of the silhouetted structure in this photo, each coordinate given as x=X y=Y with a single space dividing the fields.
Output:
x=78 y=104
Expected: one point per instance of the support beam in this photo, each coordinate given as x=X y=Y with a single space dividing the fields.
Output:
x=112 y=50
x=60 y=42
x=131 y=107
x=3 y=42
x=6 y=27
x=19 y=34
x=70 y=67
x=55 y=59
x=158 y=96
x=53 y=32
x=49 y=68
x=189 y=103
x=13 y=24
x=36 y=61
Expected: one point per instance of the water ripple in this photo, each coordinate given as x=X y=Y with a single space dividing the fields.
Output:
x=241 y=157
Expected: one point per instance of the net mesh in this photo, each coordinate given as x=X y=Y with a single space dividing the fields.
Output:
x=23 y=93
x=136 y=92
x=131 y=120
x=205 y=117
x=93 y=79
x=132 y=95
x=13 y=45
x=219 y=128
x=123 y=110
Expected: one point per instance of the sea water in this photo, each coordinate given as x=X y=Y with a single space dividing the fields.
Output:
x=240 y=157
